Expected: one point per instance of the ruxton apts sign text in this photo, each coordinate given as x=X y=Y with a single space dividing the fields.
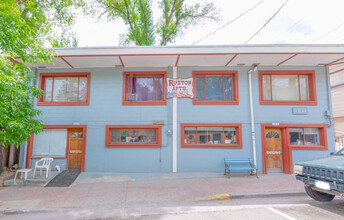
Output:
x=179 y=88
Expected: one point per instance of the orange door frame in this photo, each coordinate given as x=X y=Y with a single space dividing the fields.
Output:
x=286 y=153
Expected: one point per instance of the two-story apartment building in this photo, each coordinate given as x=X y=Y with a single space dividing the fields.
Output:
x=184 y=109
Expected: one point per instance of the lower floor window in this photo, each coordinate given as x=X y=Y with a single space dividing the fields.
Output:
x=133 y=136
x=50 y=142
x=304 y=136
x=211 y=135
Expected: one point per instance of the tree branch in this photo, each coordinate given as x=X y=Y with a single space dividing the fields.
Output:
x=173 y=9
x=129 y=21
x=101 y=14
x=144 y=14
x=166 y=37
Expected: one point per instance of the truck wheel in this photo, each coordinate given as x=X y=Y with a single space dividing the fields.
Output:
x=319 y=196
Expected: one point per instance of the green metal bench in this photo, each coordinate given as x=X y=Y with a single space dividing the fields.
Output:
x=240 y=164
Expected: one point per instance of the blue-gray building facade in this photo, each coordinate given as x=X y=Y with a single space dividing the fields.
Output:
x=105 y=107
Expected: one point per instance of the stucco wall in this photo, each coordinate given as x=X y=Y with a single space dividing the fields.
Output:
x=106 y=108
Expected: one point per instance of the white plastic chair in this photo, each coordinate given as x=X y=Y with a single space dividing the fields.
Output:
x=43 y=163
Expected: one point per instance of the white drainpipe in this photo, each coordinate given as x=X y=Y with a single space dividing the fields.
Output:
x=175 y=129
x=25 y=155
x=253 y=133
x=25 y=143
x=328 y=113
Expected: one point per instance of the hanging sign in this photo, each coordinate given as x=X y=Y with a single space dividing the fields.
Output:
x=179 y=88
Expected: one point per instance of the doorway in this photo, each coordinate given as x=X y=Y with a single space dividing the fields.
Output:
x=274 y=150
x=76 y=137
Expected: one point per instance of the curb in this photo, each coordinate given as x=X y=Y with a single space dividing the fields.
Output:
x=218 y=197
x=250 y=196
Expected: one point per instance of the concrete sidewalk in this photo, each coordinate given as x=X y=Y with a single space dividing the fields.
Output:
x=124 y=191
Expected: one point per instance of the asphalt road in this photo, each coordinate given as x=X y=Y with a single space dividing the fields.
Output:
x=266 y=207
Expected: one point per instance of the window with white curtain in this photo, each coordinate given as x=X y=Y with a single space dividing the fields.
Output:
x=285 y=87
x=50 y=142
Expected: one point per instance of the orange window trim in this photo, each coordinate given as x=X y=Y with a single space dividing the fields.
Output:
x=235 y=87
x=236 y=126
x=42 y=77
x=322 y=138
x=84 y=130
x=311 y=86
x=288 y=148
x=108 y=142
x=150 y=73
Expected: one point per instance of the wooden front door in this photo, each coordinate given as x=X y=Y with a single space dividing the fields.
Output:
x=75 y=148
x=274 y=152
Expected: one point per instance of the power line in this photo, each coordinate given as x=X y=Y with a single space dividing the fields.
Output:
x=328 y=33
x=267 y=21
x=228 y=23
x=295 y=24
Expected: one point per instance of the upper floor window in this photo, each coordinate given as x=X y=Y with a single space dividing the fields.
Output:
x=144 y=88
x=211 y=135
x=133 y=135
x=215 y=87
x=287 y=87
x=64 y=89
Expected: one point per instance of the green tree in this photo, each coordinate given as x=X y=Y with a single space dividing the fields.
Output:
x=25 y=25
x=138 y=16
x=63 y=40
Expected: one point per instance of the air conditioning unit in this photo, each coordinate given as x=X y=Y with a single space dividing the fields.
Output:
x=131 y=97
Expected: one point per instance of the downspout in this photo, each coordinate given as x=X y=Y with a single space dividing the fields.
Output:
x=33 y=103
x=174 y=128
x=253 y=133
x=25 y=155
x=328 y=113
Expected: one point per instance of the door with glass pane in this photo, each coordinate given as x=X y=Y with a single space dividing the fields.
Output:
x=274 y=152
x=75 y=148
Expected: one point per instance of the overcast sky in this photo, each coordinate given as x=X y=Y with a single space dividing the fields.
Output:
x=298 y=22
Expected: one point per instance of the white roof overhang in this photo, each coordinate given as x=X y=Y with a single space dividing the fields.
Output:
x=219 y=55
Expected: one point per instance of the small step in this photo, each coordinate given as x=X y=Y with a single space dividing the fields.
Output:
x=37 y=181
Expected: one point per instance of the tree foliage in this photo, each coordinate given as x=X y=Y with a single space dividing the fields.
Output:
x=176 y=16
x=24 y=27
x=63 y=40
